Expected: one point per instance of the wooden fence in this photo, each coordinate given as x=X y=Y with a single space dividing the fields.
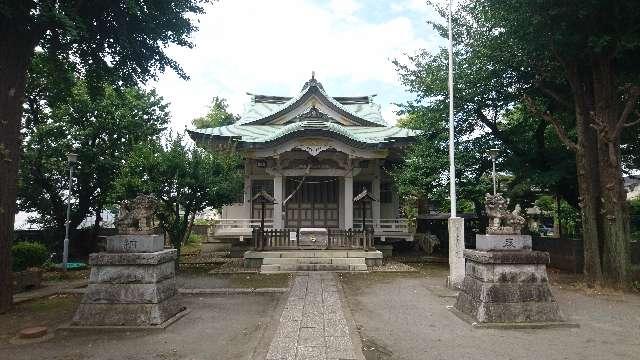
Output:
x=289 y=239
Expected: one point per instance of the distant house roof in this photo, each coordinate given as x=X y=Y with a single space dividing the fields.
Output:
x=271 y=119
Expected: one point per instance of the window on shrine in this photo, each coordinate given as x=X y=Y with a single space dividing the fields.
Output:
x=386 y=193
x=260 y=185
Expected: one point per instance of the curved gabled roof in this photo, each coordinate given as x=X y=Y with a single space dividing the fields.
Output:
x=360 y=110
x=275 y=119
x=266 y=134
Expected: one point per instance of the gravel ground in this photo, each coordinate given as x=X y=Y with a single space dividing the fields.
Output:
x=391 y=266
x=218 y=327
x=404 y=316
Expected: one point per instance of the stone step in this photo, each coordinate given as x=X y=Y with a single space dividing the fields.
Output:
x=269 y=268
x=294 y=261
x=315 y=254
x=312 y=267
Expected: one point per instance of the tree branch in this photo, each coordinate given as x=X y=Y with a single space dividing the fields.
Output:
x=629 y=106
x=554 y=95
x=554 y=122
x=633 y=123
x=494 y=129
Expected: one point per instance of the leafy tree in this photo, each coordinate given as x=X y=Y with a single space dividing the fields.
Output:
x=218 y=115
x=566 y=63
x=101 y=127
x=425 y=172
x=589 y=51
x=120 y=40
x=185 y=179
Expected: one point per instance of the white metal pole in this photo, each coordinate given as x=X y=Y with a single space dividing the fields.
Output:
x=65 y=252
x=456 y=224
x=493 y=159
x=452 y=168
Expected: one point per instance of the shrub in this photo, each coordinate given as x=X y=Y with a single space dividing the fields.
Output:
x=28 y=254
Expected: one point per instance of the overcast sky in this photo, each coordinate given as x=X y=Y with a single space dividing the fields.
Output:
x=271 y=47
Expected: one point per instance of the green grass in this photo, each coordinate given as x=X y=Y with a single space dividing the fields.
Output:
x=193 y=245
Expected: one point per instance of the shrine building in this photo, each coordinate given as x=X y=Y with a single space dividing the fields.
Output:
x=312 y=155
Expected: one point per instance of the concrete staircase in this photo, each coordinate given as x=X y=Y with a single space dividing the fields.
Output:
x=313 y=260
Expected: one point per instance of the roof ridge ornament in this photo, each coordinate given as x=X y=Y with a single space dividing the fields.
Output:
x=312 y=82
x=313 y=113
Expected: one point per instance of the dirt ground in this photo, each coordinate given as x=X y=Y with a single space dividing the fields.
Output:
x=404 y=316
x=218 y=327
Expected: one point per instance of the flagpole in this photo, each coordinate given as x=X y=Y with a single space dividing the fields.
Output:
x=452 y=168
x=456 y=224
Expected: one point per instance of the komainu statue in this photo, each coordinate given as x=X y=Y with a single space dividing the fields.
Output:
x=137 y=216
x=501 y=221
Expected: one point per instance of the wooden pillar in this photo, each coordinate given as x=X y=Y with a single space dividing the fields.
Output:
x=375 y=192
x=277 y=207
x=247 y=189
x=348 y=201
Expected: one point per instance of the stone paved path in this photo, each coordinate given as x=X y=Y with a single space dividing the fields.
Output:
x=312 y=325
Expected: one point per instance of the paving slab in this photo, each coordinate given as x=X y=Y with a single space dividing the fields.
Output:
x=322 y=331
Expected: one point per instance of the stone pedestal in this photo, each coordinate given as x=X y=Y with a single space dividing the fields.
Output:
x=456 y=247
x=507 y=286
x=132 y=284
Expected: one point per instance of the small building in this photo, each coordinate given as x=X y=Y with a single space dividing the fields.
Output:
x=313 y=153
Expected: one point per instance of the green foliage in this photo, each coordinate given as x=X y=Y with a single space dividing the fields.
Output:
x=218 y=115
x=62 y=115
x=568 y=215
x=634 y=212
x=489 y=86
x=28 y=254
x=185 y=179
x=120 y=40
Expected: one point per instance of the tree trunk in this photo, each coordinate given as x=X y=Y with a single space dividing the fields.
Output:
x=192 y=218
x=615 y=219
x=588 y=177
x=16 y=49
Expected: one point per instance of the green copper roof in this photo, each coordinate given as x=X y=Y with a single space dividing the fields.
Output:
x=254 y=128
x=263 y=107
x=269 y=133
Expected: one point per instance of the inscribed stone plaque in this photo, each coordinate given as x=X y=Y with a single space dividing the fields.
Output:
x=503 y=242
x=135 y=243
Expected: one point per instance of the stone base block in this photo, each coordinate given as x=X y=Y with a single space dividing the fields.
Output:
x=130 y=293
x=516 y=312
x=507 y=287
x=132 y=274
x=151 y=258
x=126 y=314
